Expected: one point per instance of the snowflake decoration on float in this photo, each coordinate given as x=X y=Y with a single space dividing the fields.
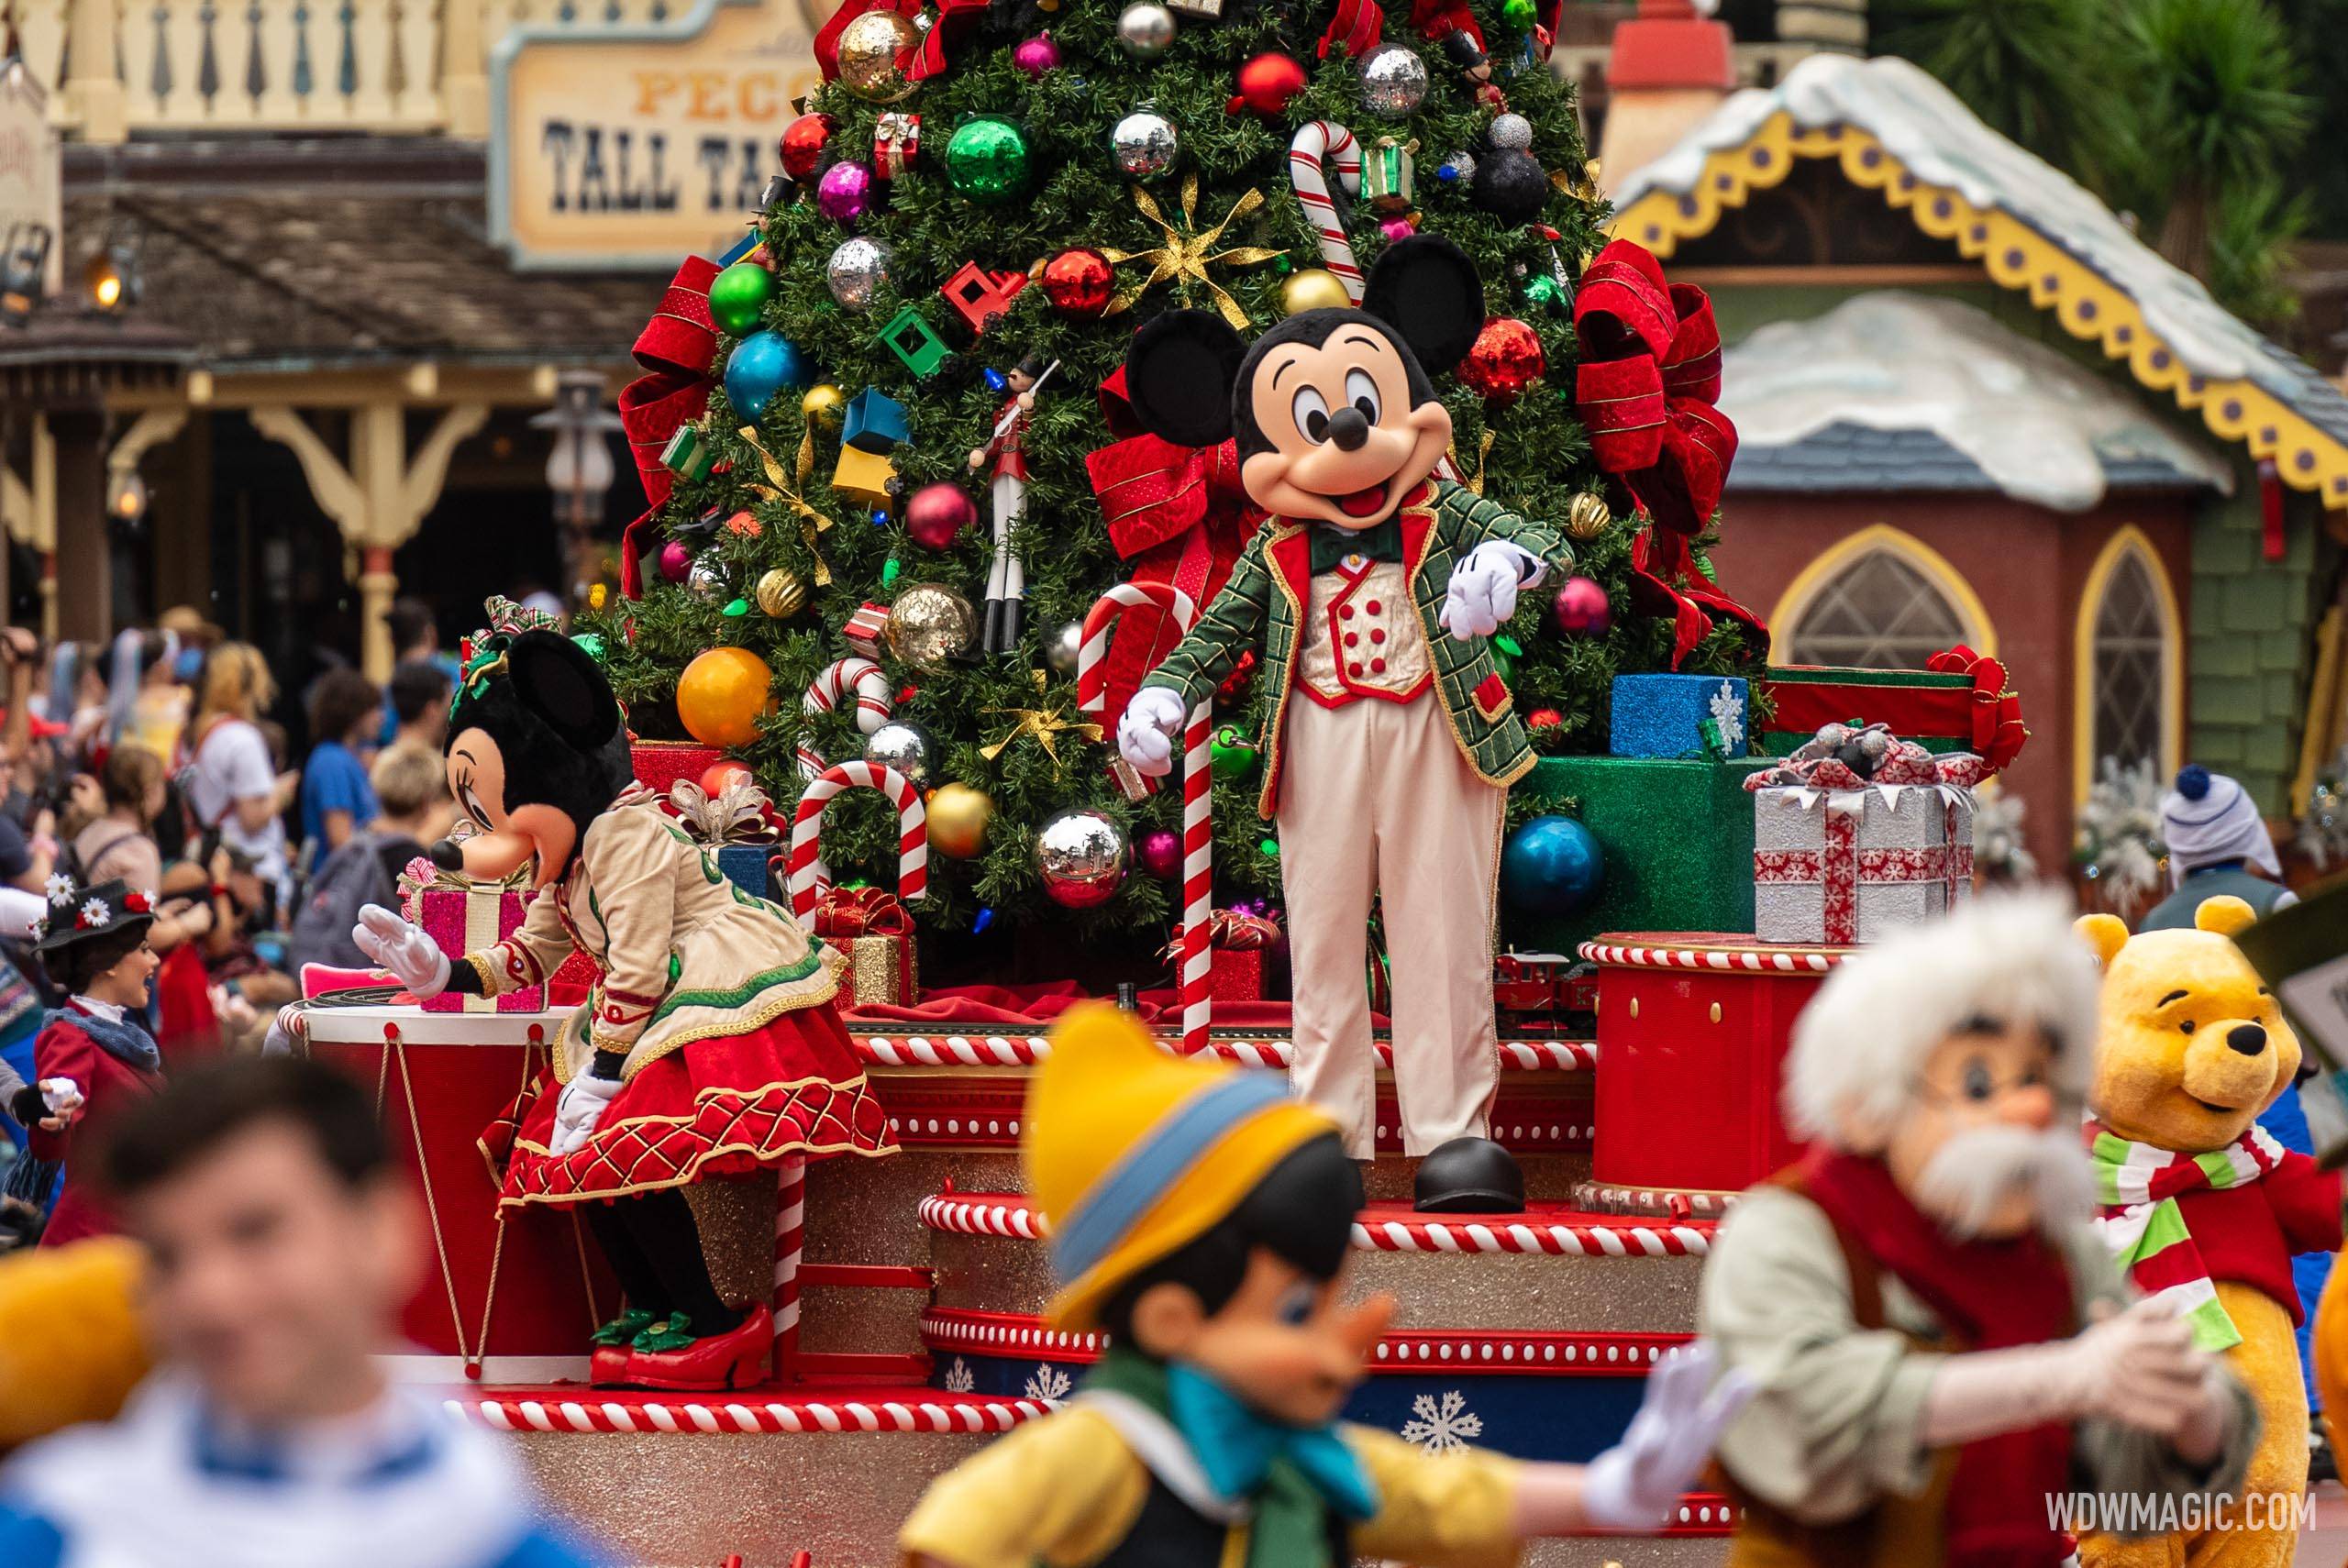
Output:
x=61 y=888
x=1438 y=1425
x=1728 y=712
x=1048 y=1384
x=959 y=1378
x=94 y=913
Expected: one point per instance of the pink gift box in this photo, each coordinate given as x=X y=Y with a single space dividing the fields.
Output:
x=467 y=919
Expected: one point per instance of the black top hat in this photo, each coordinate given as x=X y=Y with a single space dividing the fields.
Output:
x=85 y=914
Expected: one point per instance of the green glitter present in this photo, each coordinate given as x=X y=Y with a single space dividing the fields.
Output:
x=1678 y=840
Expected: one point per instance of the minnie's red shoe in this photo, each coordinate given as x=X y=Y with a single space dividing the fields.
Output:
x=732 y=1360
x=607 y=1368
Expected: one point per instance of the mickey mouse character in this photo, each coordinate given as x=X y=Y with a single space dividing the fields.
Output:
x=1393 y=738
x=710 y=1047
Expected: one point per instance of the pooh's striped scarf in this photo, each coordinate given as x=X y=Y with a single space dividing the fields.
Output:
x=2138 y=1186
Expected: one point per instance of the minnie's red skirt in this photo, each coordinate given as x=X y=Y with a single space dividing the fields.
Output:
x=720 y=1107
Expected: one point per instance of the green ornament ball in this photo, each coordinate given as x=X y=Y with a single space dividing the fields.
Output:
x=1231 y=755
x=591 y=644
x=739 y=295
x=989 y=160
x=1545 y=292
x=1505 y=651
x=1518 y=15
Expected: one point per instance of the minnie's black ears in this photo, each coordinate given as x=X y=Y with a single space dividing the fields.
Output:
x=557 y=679
x=1427 y=288
x=1179 y=372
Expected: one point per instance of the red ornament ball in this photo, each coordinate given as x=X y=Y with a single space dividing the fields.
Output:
x=676 y=561
x=1506 y=357
x=1079 y=283
x=1543 y=719
x=724 y=774
x=804 y=140
x=1580 y=609
x=1235 y=685
x=1266 y=82
x=1160 y=852
x=938 y=513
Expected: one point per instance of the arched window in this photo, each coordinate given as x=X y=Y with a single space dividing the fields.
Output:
x=2128 y=649
x=1878 y=600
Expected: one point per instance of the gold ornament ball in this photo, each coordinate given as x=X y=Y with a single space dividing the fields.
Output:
x=870 y=48
x=959 y=815
x=1315 y=288
x=929 y=624
x=721 y=695
x=1589 y=517
x=824 y=404
x=781 y=594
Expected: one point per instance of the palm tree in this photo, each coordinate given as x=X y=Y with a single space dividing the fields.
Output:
x=2016 y=64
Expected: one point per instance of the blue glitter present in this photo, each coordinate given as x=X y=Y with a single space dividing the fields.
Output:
x=1678 y=715
x=745 y=865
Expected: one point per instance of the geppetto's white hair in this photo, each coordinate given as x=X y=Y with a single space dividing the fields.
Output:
x=2007 y=959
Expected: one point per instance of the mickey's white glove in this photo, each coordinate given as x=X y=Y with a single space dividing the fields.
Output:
x=1483 y=588
x=1635 y=1484
x=580 y=1107
x=64 y=1097
x=414 y=959
x=1146 y=735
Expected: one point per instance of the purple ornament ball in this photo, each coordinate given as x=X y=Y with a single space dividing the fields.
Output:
x=676 y=561
x=844 y=191
x=1161 y=854
x=1580 y=609
x=1038 y=55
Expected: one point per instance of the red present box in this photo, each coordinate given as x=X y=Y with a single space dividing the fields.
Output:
x=1235 y=974
x=874 y=932
x=659 y=764
x=462 y=917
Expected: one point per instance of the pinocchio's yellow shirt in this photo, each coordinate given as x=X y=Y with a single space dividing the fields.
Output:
x=1065 y=1490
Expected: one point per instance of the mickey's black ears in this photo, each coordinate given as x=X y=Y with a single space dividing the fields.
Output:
x=1427 y=288
x=1179 y=375
x=557 y=679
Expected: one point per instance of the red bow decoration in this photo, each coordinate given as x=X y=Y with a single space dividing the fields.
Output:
x=1178 y=514
x=1360 y=24
x=675 y=349
x=1649 y=377
x=1236 y=930
x=924 y=59
x=1666 y=580
x=843 y=913
x=1998 y=729
x=1357 y=26
x=1814 y=766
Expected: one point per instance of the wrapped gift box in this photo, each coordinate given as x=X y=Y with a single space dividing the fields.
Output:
x=1678 y=715
x=745 y=865
x=874 y=933
x=1932 y=708
x=1237 y=974
x=464 y=917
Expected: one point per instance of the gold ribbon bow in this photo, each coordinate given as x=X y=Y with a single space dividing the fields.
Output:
x=782 y=487
x=1185 y=258
x=1043 y=723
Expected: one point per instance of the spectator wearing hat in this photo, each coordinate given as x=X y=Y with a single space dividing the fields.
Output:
x=2217 y=843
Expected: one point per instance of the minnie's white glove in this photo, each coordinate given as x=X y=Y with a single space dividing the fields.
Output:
x=414 y=959
x=1633 y=1485
x=580 y=1107
x=1146 y=735
x=1483 y=588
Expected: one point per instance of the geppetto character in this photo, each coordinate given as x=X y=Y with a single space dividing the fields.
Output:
x=710 y=1047
x=1941 y=1344
x=1392 y=745
x=1203 y=1219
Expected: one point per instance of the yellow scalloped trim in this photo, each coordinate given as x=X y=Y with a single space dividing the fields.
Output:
x=2016 y=256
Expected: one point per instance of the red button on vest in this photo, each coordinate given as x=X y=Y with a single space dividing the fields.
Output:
x=1345 y=611
x=1378 y=667
x=1353 y=669
x=1378 y=636
x=1373 y=607
x=1353 y=637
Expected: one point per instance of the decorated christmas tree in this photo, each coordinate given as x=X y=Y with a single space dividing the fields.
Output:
x=907 y=444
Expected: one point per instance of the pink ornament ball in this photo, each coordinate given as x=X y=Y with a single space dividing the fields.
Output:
x=1580 y=609
x=1038 y=55
x=844 y=192
x=938 y=513
x=1397 y=228
x=676 y=561
x=1161 y=854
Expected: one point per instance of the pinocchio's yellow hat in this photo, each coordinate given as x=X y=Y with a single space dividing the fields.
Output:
x=1132 y=1153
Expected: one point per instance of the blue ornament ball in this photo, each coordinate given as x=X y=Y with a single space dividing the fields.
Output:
x=1551 y=866
x=761 y=366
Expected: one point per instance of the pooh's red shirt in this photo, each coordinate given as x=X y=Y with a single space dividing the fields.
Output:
x=2248 y=1233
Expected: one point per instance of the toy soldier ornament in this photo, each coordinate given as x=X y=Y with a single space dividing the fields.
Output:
x=1006 y=580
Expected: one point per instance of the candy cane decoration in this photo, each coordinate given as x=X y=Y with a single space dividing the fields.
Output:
x=1317 y=143
x=790 y=1237
x=1198 y=800
x=874 y=702
x=807 y=874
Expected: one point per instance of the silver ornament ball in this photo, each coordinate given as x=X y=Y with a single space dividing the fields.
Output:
x=707 y=578
x=1511 y=133
x=1080 y=854
x=1146 y=29
x=1144 y=144
x=1066 y=647
x=1462 y=166
x=907 y=748
x=856 y=269
x=1393 y=81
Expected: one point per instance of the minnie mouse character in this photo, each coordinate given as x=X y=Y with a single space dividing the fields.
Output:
x=710 y=1047
x=1391 y=772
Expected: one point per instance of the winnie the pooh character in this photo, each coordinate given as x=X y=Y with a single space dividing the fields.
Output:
x=2200 y=1204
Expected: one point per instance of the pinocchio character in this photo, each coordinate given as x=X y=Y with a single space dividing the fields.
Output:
x=1203 y=1219
x=1007 y=579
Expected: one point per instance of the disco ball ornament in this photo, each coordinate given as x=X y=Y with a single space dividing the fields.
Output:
x=907 y=748
x=1551 y=866
x=737 y=295
x=1393 y=81
x=1580 y=609
x=1457 y=168
x=1079 y=283
x=938 y=513
x=1267 y=83
x=929 y=624
x=1080 y=854
x=782 y=593
x=722 y=694
x=707 y=579
x=988 y=160
x=844 y=192
x=1511 y=133
x=1144 y=145
x=1146 y=29
x=1511 y=185
x=761 y=366
x=1037 y=56
x=824 y=404
x=1588 y=516
x=959 y=815
x=676 y=561
x=856 y=271
x=804 y=140
x=1159 y=853
x=1066 y=645
x=870 y=48
x=1504 y=361
x=1315 y=288
x=1231 y=755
